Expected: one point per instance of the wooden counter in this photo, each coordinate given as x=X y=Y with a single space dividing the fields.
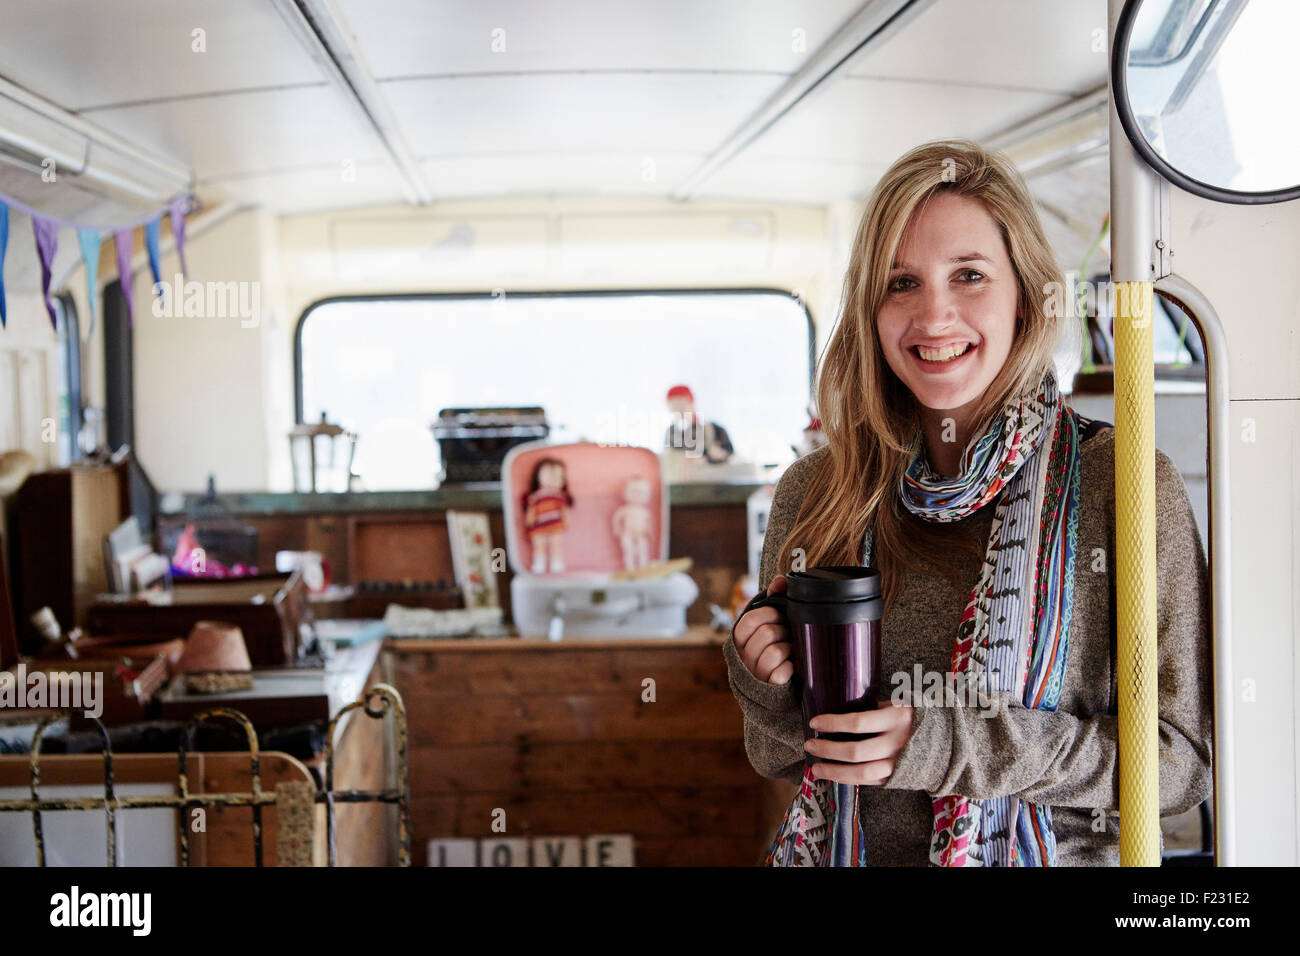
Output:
x=365 y=541
x=558 y=735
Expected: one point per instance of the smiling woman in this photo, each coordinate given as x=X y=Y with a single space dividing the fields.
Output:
x=946 y=429
x=947 y=323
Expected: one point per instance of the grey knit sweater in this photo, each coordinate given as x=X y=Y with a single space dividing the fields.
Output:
x=1067 y=758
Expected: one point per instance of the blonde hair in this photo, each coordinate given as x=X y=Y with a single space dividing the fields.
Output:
x=870 y=417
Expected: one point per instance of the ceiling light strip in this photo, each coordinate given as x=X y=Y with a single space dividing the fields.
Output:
x=318 y=25
x=873 y=22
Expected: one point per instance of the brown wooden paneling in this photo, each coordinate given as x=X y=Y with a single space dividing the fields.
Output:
x=557 y=735
x=697 y=851
x=393 y=546
x=512 y=671
x=268 y=609
x=230 y=829
x=365 y=831
x=521 y=766
x=398 y=549
x=714 y=538
x=61 y=520
x=43 y=571
x=328 y=535
x=278 y=533
x=571 y=718
x=681 y=814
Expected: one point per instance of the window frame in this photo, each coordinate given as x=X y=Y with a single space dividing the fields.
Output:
x=542 y=294
x=69 y=351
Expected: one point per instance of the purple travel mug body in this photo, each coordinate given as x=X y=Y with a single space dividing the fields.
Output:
x=834 y=617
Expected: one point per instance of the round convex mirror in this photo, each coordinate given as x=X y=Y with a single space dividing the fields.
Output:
x=1206 y=90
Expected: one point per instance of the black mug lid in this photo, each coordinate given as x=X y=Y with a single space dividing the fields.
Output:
x=833 y=584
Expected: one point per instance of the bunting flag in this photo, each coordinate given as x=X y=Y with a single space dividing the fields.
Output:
x=45 y=229
x=151 y=233
x=4 y=245
x=88 y=239
x=176 y=213
x=122 y=242
x=47 y=244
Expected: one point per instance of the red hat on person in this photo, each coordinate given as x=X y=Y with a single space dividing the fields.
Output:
x=680 y=391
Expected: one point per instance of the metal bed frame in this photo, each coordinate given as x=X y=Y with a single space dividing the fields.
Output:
x=378 y=702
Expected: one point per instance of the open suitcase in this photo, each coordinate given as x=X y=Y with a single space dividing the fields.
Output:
x=562 y=505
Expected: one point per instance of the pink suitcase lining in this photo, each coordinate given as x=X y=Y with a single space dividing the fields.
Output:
x=596 y=475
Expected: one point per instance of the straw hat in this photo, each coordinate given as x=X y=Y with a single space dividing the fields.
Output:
x=214 y=646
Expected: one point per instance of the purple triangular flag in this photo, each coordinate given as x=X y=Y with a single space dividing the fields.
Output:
x=176 y=212
x=47 y=244
x=122 y=243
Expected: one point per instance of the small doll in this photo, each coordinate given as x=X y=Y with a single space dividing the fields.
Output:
x=546 y=506
x=632 y=524
x=694 y=435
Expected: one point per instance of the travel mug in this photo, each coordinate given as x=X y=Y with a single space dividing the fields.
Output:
x=834 y=615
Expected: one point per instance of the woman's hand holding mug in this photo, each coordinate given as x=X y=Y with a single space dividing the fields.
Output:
x=763 y=640
x=822 y=627
x=861 y=761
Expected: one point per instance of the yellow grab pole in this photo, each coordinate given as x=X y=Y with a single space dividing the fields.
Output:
x=1135 y=566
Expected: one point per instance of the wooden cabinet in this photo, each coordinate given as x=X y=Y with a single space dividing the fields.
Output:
x=561 y=736
x=60 y=520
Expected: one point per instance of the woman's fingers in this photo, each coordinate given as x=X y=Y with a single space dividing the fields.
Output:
x=751 y=621
x=873 y=772
x=879 y=721
x=863 y=761
x=855 y=751
x=773 y=656
x=763 y=638
x=782 y=674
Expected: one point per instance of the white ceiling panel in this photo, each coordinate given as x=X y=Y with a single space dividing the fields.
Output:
x=1017 y=44
x=542 y=174
x=804 y=180
x=79 y=54
x=876 y=121
x=315 y=189
x=1073 y=204
x=645 y=113
x=543 y=97
x=265 y=131
x=405 y=38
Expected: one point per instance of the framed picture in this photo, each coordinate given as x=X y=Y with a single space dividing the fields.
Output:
x=471 y=557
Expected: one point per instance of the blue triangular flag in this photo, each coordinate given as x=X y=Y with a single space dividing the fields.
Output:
x=88 y=239
x=4 y=245
x=151 y=232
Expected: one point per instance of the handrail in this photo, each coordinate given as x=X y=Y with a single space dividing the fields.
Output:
x=1192 y=301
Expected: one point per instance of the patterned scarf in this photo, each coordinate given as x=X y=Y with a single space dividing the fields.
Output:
x=1013 y=635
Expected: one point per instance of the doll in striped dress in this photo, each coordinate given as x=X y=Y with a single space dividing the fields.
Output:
x=546 y=507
